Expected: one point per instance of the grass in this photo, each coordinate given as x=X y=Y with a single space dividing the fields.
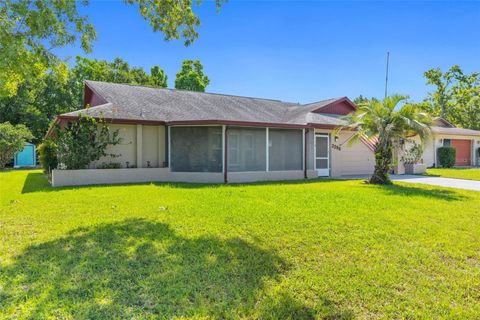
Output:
x=468 y=174
x=300 y=250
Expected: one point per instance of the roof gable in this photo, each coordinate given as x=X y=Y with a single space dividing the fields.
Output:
x=342 y=106
x=441 y=122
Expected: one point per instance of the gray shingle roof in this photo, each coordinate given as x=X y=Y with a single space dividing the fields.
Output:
x=132 y=102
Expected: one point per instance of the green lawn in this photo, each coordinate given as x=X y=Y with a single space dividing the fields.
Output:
x=469 y=174
x=322 y=249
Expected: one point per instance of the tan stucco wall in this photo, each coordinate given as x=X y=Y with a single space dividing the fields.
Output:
x=150 y=146
x=126 y=149
x=355 y=159
x=139 y=144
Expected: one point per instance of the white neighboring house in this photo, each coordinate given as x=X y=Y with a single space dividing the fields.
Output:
x=444 y=134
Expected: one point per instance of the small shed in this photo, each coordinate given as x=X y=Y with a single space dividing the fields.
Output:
x=27 y=157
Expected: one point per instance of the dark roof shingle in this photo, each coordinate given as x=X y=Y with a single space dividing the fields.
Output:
x=133 y=102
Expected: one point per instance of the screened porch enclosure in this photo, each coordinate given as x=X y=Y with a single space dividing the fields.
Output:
x=249 y=149
x=196 y=149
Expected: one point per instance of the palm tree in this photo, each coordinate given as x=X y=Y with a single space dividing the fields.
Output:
x=388 y=125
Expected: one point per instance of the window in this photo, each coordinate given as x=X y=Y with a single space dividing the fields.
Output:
x=196 y=149
x=246 y=149
x=285 y=149
x=447 y=142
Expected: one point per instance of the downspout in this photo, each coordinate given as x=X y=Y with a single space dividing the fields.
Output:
x=225 y=160
x=305 y=154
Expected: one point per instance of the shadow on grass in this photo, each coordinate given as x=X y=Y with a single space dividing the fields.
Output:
x=410 y=191
x=36 y=181
x=140 y=269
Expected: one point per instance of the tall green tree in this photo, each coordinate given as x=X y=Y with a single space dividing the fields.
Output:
x=117 y=71
x=191 y=77
x=360 y=100
x=383 y=121
x=158 y=77
x=12 y=140
x=30 y=30
x=38 y=101
x=456 y=96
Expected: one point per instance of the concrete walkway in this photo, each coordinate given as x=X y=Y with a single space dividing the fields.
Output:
x=439 y=181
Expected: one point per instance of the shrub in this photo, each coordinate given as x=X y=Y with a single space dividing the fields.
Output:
x=414 y=154
x=47 y=155
x=446 y=156
x=12 y=140
x=83 y=141
x=110 y=165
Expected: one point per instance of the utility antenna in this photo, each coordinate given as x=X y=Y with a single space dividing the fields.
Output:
x=386 y=74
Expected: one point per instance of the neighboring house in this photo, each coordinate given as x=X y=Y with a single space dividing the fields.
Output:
x=465 y=141
x=175 y=135
x=26 y=158
x=444 y=134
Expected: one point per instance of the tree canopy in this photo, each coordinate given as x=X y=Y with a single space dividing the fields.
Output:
x=456 y=96
x=30 y=30
x=38 y=101
x=191 y=77
x=12 y=140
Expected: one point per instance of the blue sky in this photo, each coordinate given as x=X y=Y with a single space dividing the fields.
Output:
x=302 y=51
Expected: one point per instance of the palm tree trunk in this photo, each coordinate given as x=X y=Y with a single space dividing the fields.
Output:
x=383 y=162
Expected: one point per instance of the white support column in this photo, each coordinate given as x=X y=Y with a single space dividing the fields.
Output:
x=224 y=128
x=161 y=145
x=267 y=151
x=303 y=149
x=169 y=148
x=139 y=146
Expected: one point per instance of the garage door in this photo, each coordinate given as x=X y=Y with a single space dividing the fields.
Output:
x=464 y=149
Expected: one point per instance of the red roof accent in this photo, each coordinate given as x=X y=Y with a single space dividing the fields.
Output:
x=91 y=97
x=369 y=142
x=342 y=106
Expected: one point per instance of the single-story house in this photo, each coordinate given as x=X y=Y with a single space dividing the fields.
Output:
x=176 y=135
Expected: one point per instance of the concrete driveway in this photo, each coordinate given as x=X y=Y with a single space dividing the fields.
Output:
x=439 y=181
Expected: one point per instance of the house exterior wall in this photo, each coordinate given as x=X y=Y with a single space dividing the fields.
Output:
x=139 y=144
x=430 y=153
x=355 y=159
x=150 y=146
x=126 y=149
x=144 y=143
x=62 y=178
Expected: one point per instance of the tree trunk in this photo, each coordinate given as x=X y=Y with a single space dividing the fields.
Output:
x=383 y=162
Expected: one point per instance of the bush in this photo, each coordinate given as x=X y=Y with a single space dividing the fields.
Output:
x=110 y=165
x=47 y=155
x=83 y=141
x=12 y=140
x=446 y=156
